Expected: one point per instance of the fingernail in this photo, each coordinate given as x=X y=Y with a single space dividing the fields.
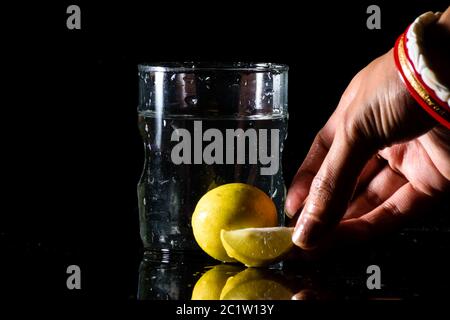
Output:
x=286 y=212
x=308 y=232
x=287 y=209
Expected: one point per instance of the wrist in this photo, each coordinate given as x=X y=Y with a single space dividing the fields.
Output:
x=412 y=58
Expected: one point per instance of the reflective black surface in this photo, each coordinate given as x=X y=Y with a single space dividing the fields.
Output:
x=414 y=264
x=411 y=263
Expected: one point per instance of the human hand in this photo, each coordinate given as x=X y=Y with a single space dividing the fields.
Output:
x=377 y=161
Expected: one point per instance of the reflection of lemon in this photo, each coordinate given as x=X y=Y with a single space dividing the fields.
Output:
x=255 y=284
x=210 y=285
x=230 y=206
x=256 y=247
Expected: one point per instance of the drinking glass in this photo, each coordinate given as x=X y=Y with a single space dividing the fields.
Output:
x=204 y=125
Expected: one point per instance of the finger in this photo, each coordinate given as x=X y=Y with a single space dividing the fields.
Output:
x=382 y=186
x=410 y=158
x=371 y=169
x=298 y=191
x=404 y=204
x=331 y=189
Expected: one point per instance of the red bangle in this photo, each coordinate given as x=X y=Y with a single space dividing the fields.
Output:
x=423 y=95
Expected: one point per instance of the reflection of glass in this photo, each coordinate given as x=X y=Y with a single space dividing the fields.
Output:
x=192 y=99
x=197 y=280
x=162 y=279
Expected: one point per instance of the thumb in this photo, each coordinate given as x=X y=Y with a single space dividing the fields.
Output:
x=332 y=188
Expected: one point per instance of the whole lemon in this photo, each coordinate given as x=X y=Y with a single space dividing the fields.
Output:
x=230 y=206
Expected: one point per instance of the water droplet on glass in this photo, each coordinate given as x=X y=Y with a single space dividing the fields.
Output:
x=274 y=194
x=145 y=77
x=245 y=83
x=191 y=100
x=163 y=182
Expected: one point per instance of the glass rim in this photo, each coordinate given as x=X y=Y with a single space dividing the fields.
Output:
x=193 y=66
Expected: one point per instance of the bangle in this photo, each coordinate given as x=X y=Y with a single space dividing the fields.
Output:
x=419 y=79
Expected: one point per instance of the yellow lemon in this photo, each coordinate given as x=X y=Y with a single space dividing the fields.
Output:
x=210 y=285
x=255 y=284
x=230 y=206
x=257 y=247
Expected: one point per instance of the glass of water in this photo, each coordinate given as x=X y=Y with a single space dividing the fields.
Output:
x=204 y=125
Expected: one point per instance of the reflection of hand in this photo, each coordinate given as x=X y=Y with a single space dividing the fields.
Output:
x=377 y=161
x=305 y=294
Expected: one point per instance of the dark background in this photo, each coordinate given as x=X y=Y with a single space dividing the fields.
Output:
x=71 y=144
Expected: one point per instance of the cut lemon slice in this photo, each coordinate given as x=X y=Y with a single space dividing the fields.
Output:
x=257 y=247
